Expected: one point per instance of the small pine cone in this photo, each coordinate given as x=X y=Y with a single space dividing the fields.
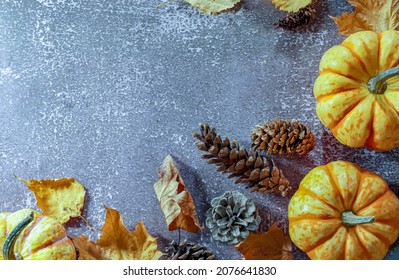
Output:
x=297 y=20
x=188 y=251
x=283 y=137
x=232 y=217
x=258 y=172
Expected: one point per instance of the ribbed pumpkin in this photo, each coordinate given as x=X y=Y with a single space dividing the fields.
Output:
x=343 y=212
x=357 y=90
x=28 y=235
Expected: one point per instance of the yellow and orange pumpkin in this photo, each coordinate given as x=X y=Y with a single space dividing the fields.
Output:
x=28 y=235
x=343 y=212
x=357 y=90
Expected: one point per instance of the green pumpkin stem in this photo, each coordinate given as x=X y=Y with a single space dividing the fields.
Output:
x=378 y=84
x=350 y=219
x=8 y=243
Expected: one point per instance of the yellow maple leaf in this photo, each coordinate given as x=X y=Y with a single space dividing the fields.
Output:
x=374 y=15
x=214 y=6
x=291 y=6
x=60 y=199
x=176 y=202
x=117 y=242
x=270 y=245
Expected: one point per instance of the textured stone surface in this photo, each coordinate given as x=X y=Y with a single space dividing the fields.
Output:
x=103 y=90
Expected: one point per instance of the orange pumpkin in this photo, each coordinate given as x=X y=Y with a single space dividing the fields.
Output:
x=357 y=91
x=343 y=212
x=28 y=235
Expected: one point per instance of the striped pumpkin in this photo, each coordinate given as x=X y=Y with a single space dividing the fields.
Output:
x=341 y=211
x=28 y=235
x=357 y=91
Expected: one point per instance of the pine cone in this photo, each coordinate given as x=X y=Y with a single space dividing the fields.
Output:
x=188 y=251
x=283 y=137
x=232 y=217
x=297 y=20
x=258 y=172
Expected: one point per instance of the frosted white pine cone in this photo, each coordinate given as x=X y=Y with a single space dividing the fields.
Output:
x=232 y=217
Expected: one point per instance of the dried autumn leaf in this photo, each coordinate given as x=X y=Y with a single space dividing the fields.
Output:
x=117 y=242
x=270 y=245
x=374 y=15
x=291 y=5
x=176 y=202
x=61 y=199
x=214 y=6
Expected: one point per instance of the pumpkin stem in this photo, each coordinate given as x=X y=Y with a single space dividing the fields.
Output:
x=350 y=219
x=378 y=84
x=7 y=246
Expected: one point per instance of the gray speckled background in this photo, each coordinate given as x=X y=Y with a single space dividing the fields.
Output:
x=103 y=90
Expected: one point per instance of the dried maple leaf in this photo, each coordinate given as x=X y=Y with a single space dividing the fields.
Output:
x=117 y=242
x=214 y=6
x=61 y=199
x=374 y=15
x=270 y=245
x=291 y=5
x=176 y=202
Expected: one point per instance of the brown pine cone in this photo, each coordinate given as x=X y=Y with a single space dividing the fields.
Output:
x=297 y=20
x=188 y=251
x=258 y=172
x=283 y=137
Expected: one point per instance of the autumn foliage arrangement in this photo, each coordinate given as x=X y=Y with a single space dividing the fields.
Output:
x=29 y=235
x=339 y=211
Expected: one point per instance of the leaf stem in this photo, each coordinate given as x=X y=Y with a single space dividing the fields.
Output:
x=166 y=4
x=86 y=221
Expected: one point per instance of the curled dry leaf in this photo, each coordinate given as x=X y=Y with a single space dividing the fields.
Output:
x=176 y=202
x=214 y=6
x=60 y=199
x=270 y=245
x=374 y=15
x=117 y=242
x=291 y=5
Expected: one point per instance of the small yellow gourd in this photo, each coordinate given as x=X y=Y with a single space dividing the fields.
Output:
x=341 y=211
x=28 y=235
x=357 y=90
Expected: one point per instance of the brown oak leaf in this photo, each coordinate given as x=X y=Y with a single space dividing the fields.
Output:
x=117 y=242
x=270 y=245
x=374 y=15
x=176 y=202
x=60 y=199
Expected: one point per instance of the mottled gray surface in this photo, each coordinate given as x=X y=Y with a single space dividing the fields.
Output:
x=103 y=90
